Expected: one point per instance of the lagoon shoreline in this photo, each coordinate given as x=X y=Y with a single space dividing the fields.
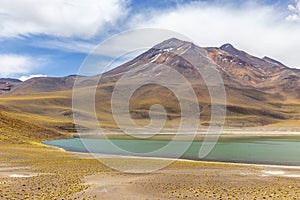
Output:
x=199 y=138
x=82 y=175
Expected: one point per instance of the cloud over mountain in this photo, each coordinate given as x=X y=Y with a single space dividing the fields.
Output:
x=12 y=65
x=258 y=28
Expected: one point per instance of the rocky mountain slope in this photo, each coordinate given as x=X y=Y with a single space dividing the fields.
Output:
x=260 y=91
x=7 y=84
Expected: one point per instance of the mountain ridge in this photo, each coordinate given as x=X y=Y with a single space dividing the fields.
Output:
x=260 y=91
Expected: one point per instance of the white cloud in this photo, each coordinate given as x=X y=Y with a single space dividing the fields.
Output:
x=295 y=9
x=12 y=64
x=66 y=45
x=62 y=18
x=122 y=48
x=133 y=41
x=258 y=29
x=25 y=78
x=113 y=46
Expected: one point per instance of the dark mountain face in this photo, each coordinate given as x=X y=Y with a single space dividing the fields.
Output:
x=7 y=84
x=264 y=74
x=166 y=52
x=251 y=60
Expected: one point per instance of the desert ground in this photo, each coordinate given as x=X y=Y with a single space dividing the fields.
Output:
x=36 y=171
x=31 y=170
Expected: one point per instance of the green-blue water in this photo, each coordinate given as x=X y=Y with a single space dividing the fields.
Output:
x=255 y=150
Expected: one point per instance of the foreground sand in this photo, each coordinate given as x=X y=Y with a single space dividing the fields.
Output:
x=39 y=172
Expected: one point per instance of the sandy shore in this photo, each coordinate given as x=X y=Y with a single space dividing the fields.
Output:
x=185 y=179
x=199 y=180
x=181 y=180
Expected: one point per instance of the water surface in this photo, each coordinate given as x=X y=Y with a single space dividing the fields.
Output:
x=252 y=150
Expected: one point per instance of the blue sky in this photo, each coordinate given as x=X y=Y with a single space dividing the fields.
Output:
x=52 y=38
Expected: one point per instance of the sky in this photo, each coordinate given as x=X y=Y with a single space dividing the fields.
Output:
x=53 y=38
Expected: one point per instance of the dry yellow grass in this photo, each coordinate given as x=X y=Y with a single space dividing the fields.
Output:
x=53 y=110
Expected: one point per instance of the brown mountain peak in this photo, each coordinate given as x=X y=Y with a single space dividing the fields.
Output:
x=227 y=46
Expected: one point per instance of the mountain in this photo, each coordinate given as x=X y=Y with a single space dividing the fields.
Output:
x=260 y=73
x=260 y=91
x=237 y=67
x=7 y=84
x=44 y=84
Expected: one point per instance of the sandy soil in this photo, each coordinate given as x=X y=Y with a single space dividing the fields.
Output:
x=16 y=172
x=39 y=172
x=198 y=180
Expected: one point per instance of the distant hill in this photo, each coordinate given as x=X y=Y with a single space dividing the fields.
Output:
x=7 y=84
x=43 y=84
